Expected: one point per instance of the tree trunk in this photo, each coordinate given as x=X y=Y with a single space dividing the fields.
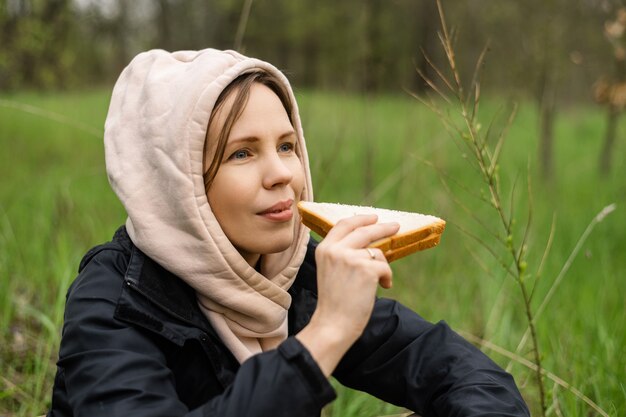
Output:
x=609 y=140
x=425 y=35
x=546 y=138
x=164 y=34
x=547 y=109
x=121 y=37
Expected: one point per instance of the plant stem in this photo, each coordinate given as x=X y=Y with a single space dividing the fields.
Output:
x=243 y=23
x=525 y=362
x=487 y=164
x=535 y=341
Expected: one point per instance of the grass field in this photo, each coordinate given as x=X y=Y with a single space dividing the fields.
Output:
x=55 y=203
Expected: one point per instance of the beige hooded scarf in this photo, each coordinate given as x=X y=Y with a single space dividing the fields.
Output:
x=154 y=143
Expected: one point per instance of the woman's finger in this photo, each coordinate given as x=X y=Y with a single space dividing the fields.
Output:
x=383 y=271
x=365 y=235
x=374 y=254
x=348 y=225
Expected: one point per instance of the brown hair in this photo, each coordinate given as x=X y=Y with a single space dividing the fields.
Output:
x=241 y=87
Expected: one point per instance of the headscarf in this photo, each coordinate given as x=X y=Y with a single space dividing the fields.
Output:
x=154 y=142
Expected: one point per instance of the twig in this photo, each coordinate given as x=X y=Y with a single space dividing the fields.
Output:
x=544 y=256
x=525 y=362
x=555 y=401
x=487 y=162
x=522 y=247
x=475 y=84
x=13 y=388
x=243 y=23
x=597 y=219
x=443 y=176
x=447 y=46
x=448 y=124
x=432 y=85
x=47 y=114
x=512 y=207
x=383 y=187
x=437 y=71
x=480 y=262
x=487 y=247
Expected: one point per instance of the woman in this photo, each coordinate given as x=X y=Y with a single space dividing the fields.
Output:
x=212 y=300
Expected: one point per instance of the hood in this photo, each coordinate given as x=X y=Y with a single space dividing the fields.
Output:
x=154 y=143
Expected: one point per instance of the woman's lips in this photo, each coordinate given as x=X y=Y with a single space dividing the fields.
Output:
x=279 y=212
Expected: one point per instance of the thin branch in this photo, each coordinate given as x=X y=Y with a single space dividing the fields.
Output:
x=432 y=85
x=555 y=401
x=446 y=40
x=447 y=47
x=492 y=122
x=445 y=119
x=475 y=84
x=480 y=262
x=501 y=137
x=509 y=225
x=583 y=238
x=544 y=256
x=443 y=175
x=12 y=388
x=525 y=362
x=50 y=115
x=484 y=245
x=487 y=163
x=476 y=100
x=530 y=216
x=243 y=23
x=393 y=178
x=437 y=71
x=471 y=213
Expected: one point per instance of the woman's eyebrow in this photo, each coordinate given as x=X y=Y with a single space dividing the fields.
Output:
x=248 y=139
x=252 y=139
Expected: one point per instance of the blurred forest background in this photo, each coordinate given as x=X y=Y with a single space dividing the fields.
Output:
x=354 y=66
x=366 y=45
x=554 y=47
x=554 y=52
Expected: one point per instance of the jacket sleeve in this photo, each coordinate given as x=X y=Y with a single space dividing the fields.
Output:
x=113 y=369
x=427 y=368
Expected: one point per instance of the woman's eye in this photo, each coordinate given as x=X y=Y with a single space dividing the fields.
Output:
x=286 y=147
x=240 y=154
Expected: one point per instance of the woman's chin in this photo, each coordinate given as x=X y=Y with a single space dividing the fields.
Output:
x=277 y=244
x=279 y=247
x=266 y=245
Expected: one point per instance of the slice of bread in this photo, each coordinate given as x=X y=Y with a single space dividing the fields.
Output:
x=417 y=231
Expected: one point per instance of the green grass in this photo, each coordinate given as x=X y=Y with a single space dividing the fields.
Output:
x=55 y=203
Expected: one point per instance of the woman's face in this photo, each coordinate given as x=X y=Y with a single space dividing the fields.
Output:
x=260 y=180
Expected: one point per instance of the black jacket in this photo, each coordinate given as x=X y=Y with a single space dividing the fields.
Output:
x=135 y=343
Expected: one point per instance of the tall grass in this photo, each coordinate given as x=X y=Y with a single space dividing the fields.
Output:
x=55 y=203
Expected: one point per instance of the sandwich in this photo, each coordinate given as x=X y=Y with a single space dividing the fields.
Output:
x=417 y=231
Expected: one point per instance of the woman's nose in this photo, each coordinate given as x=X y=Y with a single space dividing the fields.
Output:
x=277 y=171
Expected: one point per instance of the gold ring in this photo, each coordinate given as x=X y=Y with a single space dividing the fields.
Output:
x=371 y=252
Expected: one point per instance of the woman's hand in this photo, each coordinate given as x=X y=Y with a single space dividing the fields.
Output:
x=348 y=275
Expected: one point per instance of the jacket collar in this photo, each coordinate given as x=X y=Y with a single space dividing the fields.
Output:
x=160 y=286
x=174 y=296
x=166 y=289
